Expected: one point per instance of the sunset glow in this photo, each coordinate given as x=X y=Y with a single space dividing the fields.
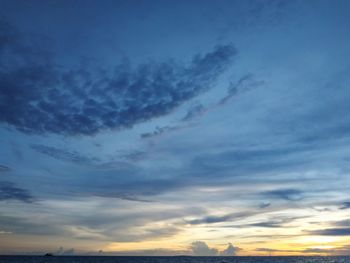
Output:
x=163 y=128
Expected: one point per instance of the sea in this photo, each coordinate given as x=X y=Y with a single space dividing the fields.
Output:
x=180 y=259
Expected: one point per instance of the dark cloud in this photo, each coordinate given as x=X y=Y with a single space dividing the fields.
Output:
x=9 y=191
x=286 y=194
x=264 y=205
x=159 y=131
x=275 y=223
x=345 y=205
x=4 y=168
x=63 y=155
x=211 y=220
x=194 y=111
x=342 y=223
x=331 y=232
x=272 y=224
x=220 y=219
x=123 y=196
x=38 y=96
x=245 y=83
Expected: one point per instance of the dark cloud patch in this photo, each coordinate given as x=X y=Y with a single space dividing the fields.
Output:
x=275 y=223
x=63 y=155
x=345 y=205
x=38 y=96
x=285 y=194
x=9 y=191
x=345 y=231
x=245 y=83
x=270 y=224
x=159 y=131
x=194 y=111
x=264 y=205
x=210 y=220
x=342 y=223
x=4 y=168
x=220 y=219
x=122 y=196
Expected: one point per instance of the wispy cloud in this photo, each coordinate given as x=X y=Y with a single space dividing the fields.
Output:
x=286 y=194
x=331 y=232
x=244 y=84
x=63 y=155
x=9 y=191
x=4 y=168
x=345 y=205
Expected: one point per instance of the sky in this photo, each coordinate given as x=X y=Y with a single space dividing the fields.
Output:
x=175 y=127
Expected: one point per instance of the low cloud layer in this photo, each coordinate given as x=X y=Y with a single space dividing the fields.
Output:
x=200 y=248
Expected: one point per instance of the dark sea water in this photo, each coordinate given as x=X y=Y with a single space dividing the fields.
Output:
x=87 y=259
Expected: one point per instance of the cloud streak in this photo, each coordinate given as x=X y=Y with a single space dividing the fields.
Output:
x=63 y=155
x=4 y=168
x=9 y=191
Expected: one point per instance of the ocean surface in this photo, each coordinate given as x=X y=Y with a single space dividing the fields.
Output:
x=89 y=259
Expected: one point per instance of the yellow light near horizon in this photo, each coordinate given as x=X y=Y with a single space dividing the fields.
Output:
x=144 y=245
x=318 y=239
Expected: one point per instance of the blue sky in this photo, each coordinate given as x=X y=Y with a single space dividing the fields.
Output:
x=174 y=127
